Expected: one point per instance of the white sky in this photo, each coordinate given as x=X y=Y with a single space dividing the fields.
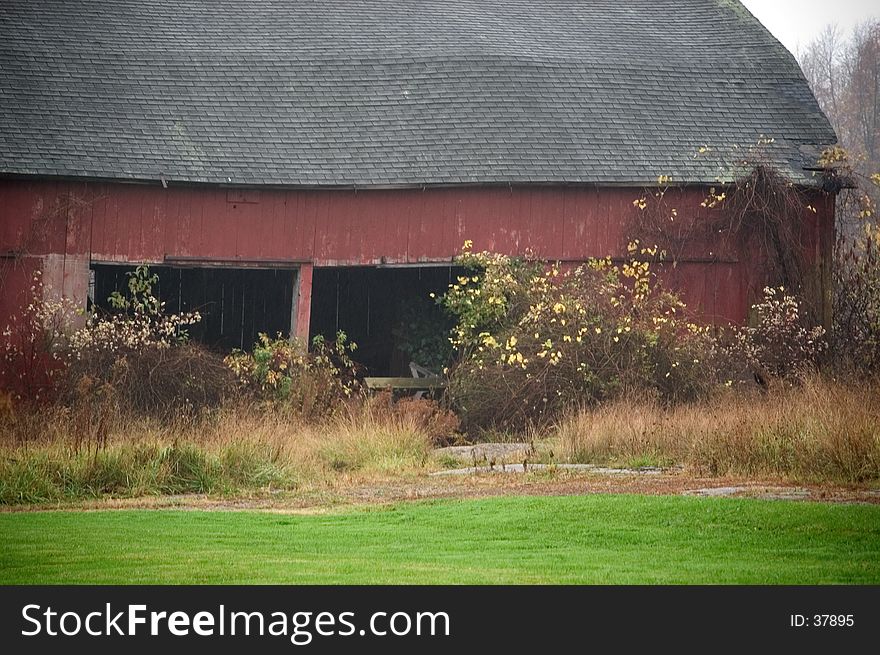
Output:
x=797 y=22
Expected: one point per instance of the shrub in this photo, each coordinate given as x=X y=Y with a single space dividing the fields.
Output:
x=422 y=333
x=33 y=342
x=140 y=323
x=534 y=339
x=779 y=344
x=150 y=380
x=136 y=359
x=280 y=372
x=424 y=415
x=141 y=357
x=855 y=336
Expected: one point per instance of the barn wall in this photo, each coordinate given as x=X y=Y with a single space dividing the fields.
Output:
x=62 y=226
x=329 y=228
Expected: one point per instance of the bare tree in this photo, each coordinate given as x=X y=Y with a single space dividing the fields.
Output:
x=823 y=64
x=844 y=74
x=863 y=93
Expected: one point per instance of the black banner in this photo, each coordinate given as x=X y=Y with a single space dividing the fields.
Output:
x=434 y=619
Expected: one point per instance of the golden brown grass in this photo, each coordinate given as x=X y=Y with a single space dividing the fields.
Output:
x=246 y=448
x=819 y=432
x=365 y=437
x=822 y=431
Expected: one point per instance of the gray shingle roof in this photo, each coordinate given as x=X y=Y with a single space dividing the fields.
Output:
x=397 y=92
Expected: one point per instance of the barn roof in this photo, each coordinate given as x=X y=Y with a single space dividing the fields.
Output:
x=398 y=92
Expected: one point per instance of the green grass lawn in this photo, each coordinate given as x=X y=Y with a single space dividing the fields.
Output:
x=582 y=539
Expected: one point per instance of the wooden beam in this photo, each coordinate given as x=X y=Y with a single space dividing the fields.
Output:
x=302 y=304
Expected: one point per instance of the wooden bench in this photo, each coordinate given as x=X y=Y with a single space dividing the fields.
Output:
x=416 y=384
x=422 y=381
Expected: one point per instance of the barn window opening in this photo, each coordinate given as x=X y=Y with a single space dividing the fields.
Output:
x=388 y=312
x=236 y=304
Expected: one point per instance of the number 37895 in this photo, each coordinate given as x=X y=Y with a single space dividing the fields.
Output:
x=822 y=620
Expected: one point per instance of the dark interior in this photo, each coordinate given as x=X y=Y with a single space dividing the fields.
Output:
x=368 y=302
x=236 y=304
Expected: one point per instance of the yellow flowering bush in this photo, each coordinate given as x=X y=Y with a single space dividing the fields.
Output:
x=534 y=338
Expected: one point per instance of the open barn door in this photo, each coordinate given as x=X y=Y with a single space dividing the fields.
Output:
x=388 y=312
x=236 y=303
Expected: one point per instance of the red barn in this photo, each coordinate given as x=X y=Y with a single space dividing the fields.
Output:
x=307 y=166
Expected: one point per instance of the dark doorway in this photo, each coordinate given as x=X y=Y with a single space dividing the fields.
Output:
x=236 y=304
x=375 y=307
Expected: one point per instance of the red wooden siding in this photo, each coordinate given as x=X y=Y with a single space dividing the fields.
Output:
x=145 y=223
x=81 y=222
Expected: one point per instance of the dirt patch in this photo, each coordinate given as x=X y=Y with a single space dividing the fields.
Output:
x=552 y=481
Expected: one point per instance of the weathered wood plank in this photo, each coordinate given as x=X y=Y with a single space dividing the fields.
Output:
x=405 y=383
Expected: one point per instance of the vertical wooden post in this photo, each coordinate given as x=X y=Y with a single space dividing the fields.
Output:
x=827 y=243
x=302 y=304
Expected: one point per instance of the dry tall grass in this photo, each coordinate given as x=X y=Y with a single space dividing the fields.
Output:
x=369 y=436
x=821 y=430
x=44 y=458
